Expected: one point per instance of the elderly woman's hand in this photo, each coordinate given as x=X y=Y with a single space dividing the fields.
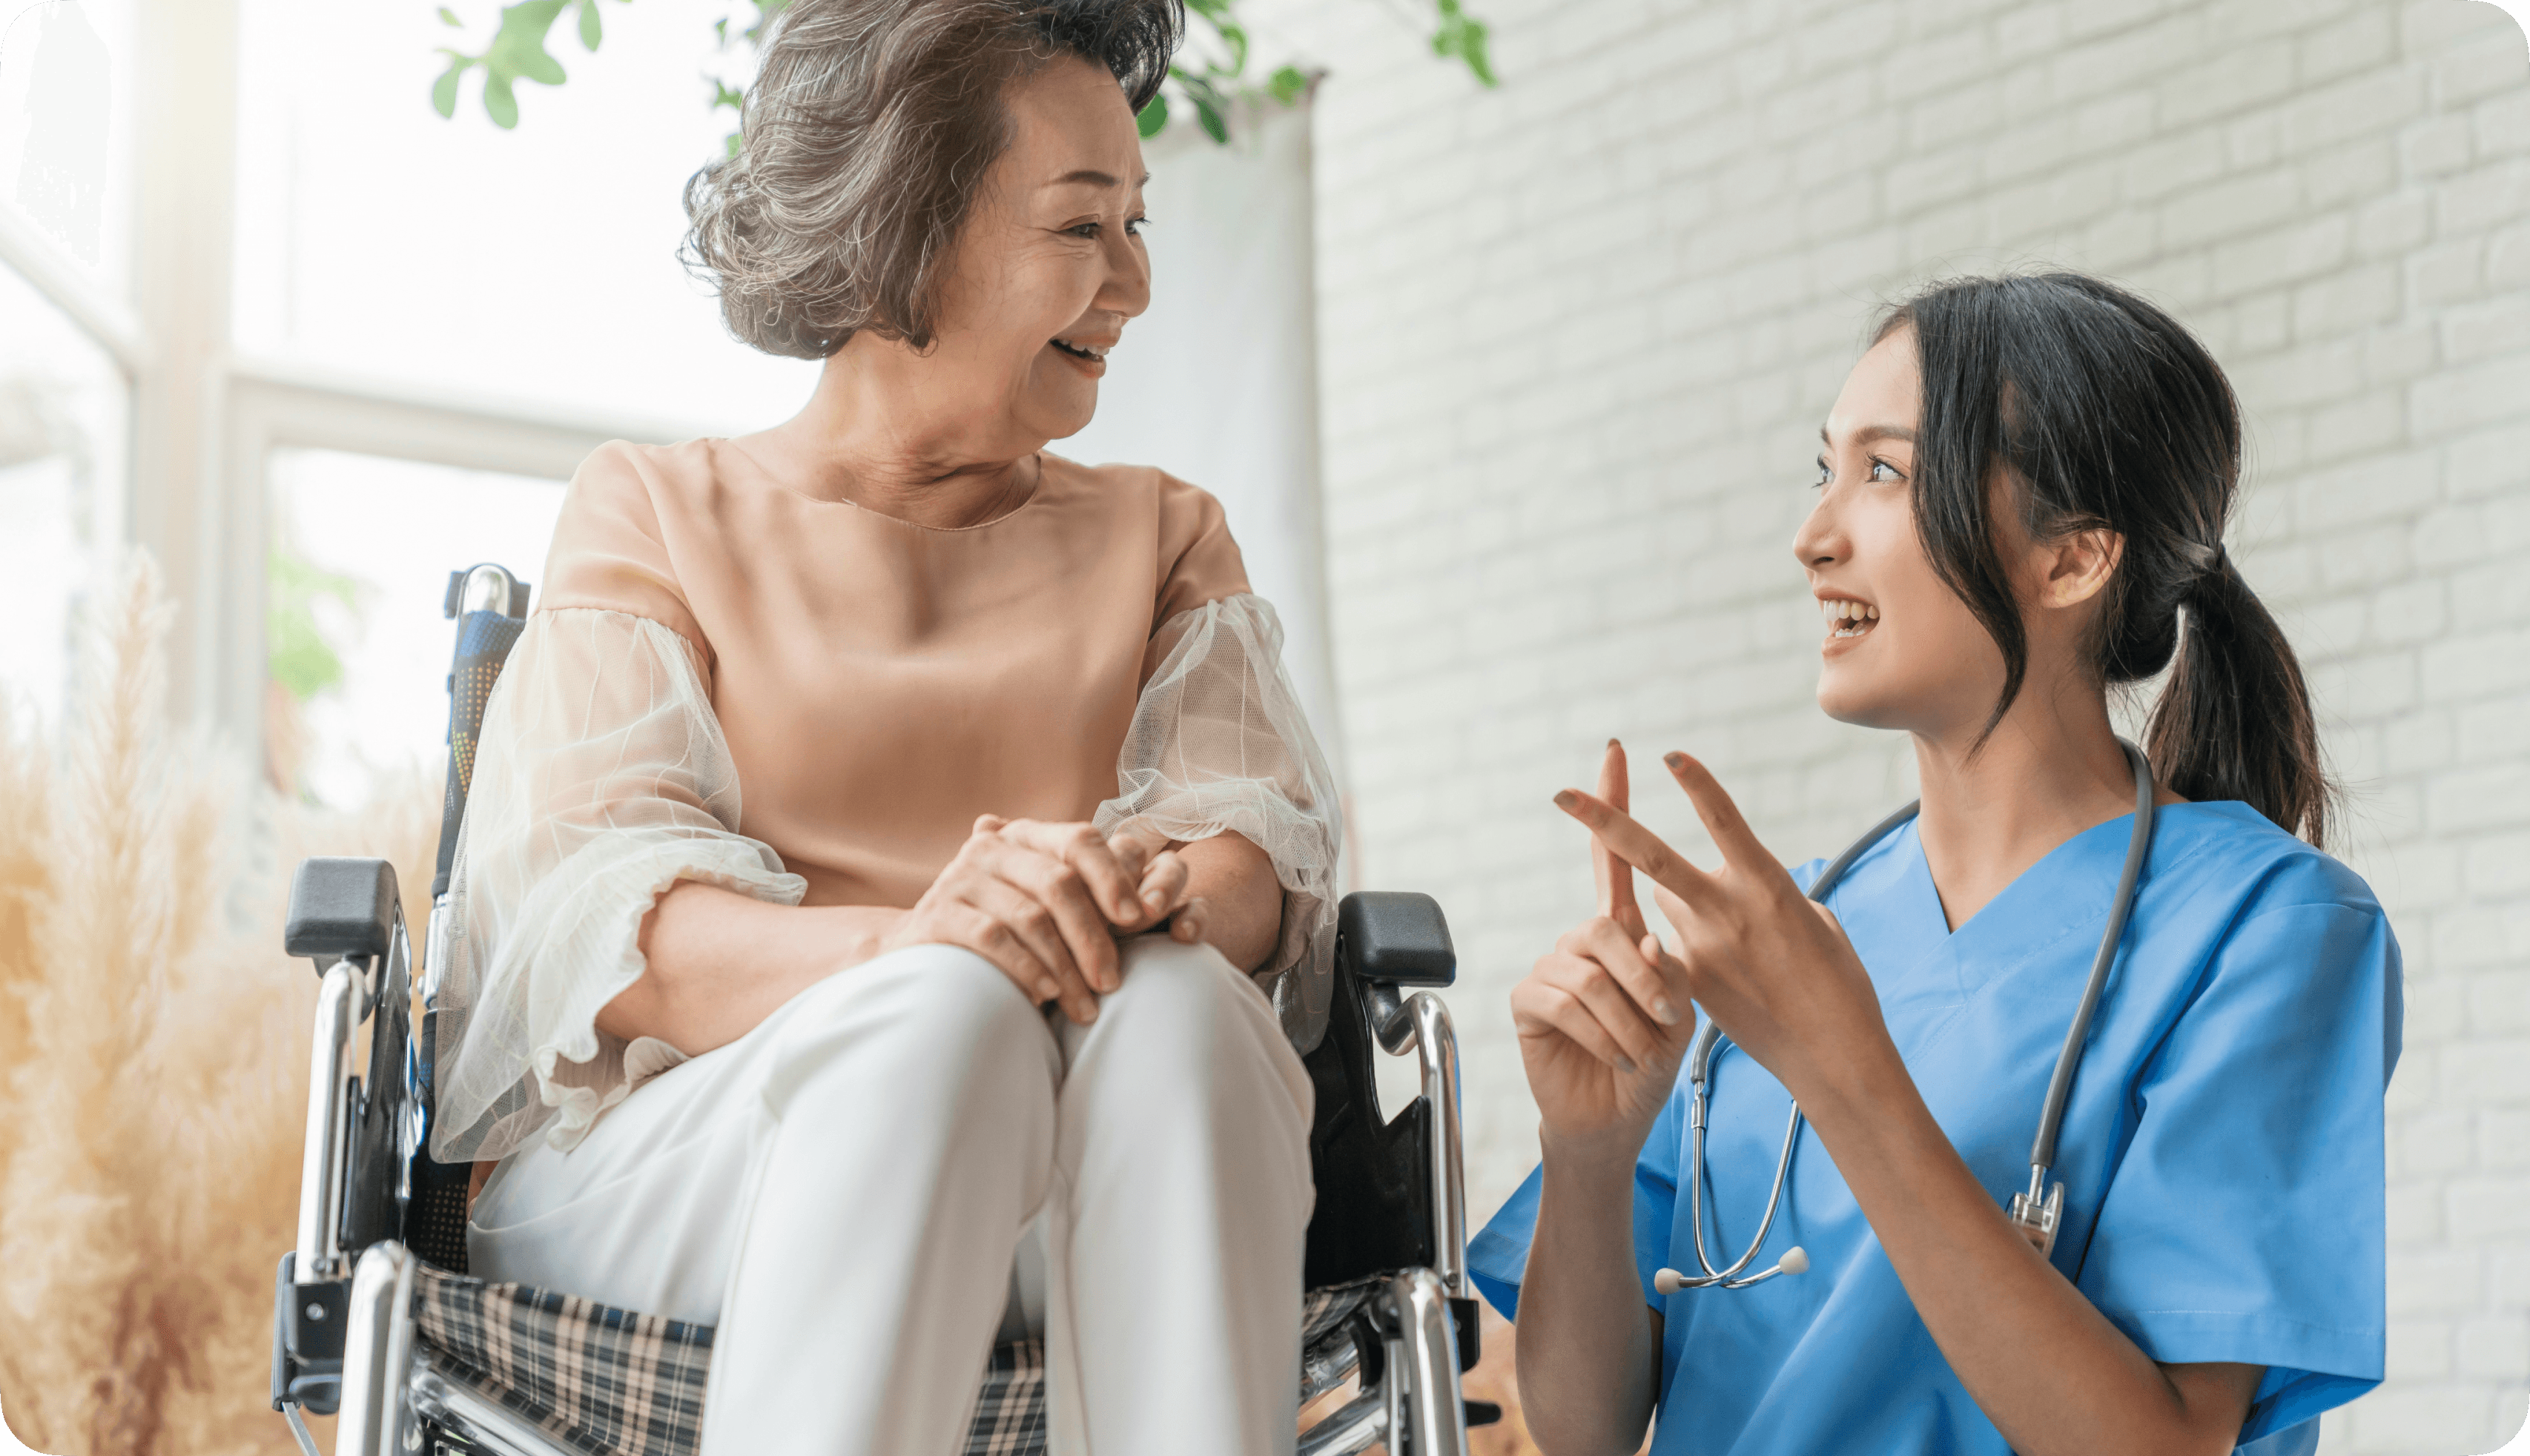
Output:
x=1046 y=901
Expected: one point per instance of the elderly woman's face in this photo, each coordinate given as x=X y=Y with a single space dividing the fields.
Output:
x=1051 y=262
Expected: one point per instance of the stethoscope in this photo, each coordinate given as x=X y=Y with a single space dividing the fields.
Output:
x=2036 y=1213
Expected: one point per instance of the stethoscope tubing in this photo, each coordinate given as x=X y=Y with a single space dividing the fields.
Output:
x=1728 y=1279
x=2060 y=1084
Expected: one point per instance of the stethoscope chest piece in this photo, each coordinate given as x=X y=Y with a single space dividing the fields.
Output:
x=2037 y=1217
x=2036 y=1214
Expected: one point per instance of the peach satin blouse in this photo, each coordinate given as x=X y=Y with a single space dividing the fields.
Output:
x=809 y=702
x=881 y=684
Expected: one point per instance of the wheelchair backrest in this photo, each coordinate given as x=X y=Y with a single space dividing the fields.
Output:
x=490 y=607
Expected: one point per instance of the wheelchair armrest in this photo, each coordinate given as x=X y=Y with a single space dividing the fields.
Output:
x=341 y=907
x=1395 y=937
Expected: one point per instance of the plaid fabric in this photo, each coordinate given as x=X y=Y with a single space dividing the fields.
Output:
x=600 y=1381
x=1009 y=1412
x=611 y=1383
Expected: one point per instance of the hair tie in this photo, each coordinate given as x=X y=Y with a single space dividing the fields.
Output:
x=2209 y=560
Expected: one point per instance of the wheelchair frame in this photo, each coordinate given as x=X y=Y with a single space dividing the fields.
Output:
x=1391 y=1214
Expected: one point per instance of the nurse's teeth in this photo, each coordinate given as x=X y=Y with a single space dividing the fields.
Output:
x=1849 y=619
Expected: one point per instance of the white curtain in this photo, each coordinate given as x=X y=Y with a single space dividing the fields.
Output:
x=1217 y=384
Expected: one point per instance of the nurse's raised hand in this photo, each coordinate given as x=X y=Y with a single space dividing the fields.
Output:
x=1773 y=969
x=1604 y=1018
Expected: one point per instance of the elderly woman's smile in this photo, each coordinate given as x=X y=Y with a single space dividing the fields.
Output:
x=1092 y=356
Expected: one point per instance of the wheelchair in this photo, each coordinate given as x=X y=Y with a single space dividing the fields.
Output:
x=376 y=1321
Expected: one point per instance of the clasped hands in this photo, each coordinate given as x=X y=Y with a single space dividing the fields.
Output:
x=1606 y=1018
x=1047 y=903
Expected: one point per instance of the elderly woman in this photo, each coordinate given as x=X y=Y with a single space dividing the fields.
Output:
x=1027 y=896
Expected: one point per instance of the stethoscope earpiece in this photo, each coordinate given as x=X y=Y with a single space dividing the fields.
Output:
x=1794 y=1262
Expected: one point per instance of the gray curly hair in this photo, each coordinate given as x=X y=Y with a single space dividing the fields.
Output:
x=870 y=125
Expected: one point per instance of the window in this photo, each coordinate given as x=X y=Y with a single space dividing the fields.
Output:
x=61 y=468
x=64 y=392
x=358 y=650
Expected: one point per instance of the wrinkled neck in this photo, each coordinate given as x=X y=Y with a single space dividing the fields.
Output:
x=908 y=436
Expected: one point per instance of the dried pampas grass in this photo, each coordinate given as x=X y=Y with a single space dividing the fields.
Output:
x=153 y=1057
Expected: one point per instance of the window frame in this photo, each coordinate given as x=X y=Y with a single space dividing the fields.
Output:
x=204 y=422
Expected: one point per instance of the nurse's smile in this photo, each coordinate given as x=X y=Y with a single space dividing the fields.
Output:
x=1847 y=620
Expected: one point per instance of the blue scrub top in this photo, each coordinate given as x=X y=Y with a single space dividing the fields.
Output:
x=2221 y=1150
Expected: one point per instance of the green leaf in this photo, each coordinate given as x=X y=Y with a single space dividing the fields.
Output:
x=517 y=49
x=298 y=655
x=500 y=102
x=1211 y=107
x=1214 y=83
x=443 y=91
x=1462 y=36
x=734 y=141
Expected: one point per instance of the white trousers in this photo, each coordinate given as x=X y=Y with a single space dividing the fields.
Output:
x=842 y=1191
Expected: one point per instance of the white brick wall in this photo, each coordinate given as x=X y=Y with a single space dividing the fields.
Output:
x=1577 y=334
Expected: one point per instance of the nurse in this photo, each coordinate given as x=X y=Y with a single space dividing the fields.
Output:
x=2021 y=502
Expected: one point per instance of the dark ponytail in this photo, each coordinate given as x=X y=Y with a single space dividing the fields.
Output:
x=2097 y=410
x=2234 y=720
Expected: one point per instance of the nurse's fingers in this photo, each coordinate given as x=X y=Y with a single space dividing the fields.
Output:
x=1618 y=949
x=1537 y=1002
x=1587 y=981
x=1694 y=927
x=1091 y=856
x=1616 y=877
x=1637 y=846
x=1738 y=844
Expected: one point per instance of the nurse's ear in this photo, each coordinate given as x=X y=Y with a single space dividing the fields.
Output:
x=2071 y=568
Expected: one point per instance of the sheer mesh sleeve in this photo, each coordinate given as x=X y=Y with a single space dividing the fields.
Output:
x=1219 y=743
x=601 y=778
